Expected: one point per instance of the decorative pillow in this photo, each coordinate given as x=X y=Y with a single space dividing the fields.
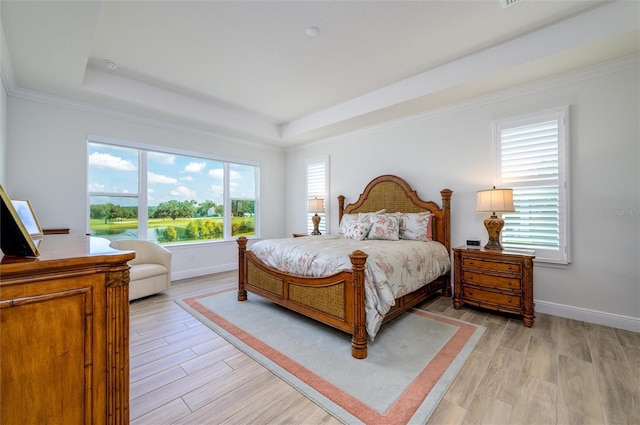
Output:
x=416 y=226
x=367 y=216
x=358 y=230
x=384 y=227
x=346 y=222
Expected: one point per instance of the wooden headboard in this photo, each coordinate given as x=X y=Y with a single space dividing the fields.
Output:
x=395 y=195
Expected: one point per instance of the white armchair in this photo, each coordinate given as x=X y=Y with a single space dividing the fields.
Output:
x=151 y=269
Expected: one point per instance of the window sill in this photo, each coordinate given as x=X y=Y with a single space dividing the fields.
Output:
x=552 y=264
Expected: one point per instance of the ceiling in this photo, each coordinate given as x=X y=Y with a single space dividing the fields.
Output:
x=248 y=69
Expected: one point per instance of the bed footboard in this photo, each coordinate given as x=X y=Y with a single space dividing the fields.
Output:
x=336 y=300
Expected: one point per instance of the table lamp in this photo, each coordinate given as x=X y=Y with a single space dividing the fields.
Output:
x=316 y=206
x=494 y=201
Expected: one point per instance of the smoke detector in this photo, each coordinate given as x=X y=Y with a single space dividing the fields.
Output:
x=112 y=65
x=312 y=31
x=507 y=3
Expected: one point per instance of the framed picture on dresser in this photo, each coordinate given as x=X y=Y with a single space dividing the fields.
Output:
x=15 y=239
x=25 y=212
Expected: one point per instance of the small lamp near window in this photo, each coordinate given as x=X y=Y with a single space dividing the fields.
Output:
x=316 y=206
x=495 y=201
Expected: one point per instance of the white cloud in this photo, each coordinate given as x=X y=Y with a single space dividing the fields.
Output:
x=160 y=179
x=183 y=192
x=217 y=190
x=217 y=173
x=194 y=167
x=235 y=179
x=234 y=175
x=186 y=178
x=105 y=160
x=96 y=187
x=162 y=158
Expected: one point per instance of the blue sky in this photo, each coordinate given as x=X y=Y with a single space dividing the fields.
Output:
x=114 y=170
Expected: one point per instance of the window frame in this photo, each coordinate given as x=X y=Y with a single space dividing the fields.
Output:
x=142 y=195
x=562 y=256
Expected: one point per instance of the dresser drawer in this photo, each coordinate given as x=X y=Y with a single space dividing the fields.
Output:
x=489 y=280
x=492 y=297
x=491 y=265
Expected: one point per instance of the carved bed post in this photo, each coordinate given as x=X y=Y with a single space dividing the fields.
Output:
x=359 y=338
x=242 y=268
x=341 y=199
x=446 y=218
x=529 y=314
x=446 y=209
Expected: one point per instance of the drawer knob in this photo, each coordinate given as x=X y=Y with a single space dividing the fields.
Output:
x=470 y=292
x=509 y=268
x=509 y=299
x=471 y=263
x=470 y=276
x=509 y=283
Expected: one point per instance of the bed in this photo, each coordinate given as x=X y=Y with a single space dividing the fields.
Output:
x=338 y=300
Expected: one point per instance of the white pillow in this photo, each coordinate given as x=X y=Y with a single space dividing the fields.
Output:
x=358 y=230
x=416 y=226
x=346 y=222
x=384 y=227
x=367 y=216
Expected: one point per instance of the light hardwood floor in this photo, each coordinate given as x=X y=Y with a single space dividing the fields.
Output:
x=561 y=371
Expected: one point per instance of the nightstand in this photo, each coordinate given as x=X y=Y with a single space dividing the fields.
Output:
x=496 y=280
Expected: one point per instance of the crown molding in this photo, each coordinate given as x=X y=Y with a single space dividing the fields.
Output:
x=586 y=29
x=53 y=100
x=586 y=73
x=513 y=92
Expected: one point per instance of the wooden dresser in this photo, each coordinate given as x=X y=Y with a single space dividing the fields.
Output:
x=497 y=280
x=64 y=334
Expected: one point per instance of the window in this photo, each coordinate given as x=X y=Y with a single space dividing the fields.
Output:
x=168 y=197
x=532 y=158
x=317 y=184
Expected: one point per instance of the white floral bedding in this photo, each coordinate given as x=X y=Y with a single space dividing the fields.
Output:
x=393 y=268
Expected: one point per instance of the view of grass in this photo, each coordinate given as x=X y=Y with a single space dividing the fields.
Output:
x=181 y=229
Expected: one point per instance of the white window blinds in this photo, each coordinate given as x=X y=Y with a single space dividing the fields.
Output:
x=532 y=160
x=317 y=177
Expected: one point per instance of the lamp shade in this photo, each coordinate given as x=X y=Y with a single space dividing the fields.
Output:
x=316 y=205
x=495 y=201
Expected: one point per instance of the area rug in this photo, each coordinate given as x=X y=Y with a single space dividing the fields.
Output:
x=409 y=366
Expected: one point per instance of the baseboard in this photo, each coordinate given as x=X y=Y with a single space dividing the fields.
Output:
x=203 y=271
x=592 y=316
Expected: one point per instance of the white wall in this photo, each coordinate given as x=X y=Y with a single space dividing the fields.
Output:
x=46 y=163
x=453 y=149
x=47 y=156
x=3 y=134
x=4 y=61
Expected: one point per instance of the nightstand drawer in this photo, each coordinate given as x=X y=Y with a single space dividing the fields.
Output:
x=491 y=265
x=492 y=297
x=489 y=280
